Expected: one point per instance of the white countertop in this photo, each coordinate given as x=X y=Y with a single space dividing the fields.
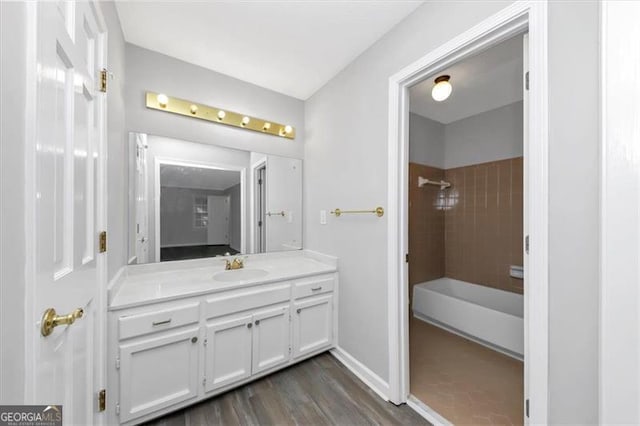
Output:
x=138 y=285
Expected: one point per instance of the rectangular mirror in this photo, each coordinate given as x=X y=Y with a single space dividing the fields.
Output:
x=192 y=200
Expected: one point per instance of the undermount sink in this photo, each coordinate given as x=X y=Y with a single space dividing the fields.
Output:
x=240 y=275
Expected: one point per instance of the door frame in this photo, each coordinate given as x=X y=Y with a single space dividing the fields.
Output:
x=512 y=20
x=159 y=161
x=32 y=317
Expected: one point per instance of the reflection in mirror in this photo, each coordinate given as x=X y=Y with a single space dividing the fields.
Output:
x=192 y=200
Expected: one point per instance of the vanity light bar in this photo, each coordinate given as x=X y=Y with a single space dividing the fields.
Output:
x=166 y=103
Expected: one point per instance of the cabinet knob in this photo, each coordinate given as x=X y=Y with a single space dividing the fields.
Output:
x=257 y=322
x=249 y=325
x=298 y=310
x=194 y=339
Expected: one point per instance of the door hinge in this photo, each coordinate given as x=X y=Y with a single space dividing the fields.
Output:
x=204 y=381
x=103 y=80
x=204 y=342
x=102 y=242
x=259 y=181
x=526 y=244
x=259 y=223
x=526 y=80
x=526 y=408
x=406 y=258
x=117 y=363
x=117 y=408
x=102 y=400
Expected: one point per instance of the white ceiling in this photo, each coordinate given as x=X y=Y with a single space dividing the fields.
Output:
x=291 y=46
x=481 y=83
x=198 y=178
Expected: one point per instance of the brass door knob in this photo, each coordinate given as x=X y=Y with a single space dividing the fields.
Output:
x=50 y=320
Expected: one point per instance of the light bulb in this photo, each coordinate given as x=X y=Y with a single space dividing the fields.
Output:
x=221 y=114
x=245 y=120
x=266 y=126
x=287 y=129
x=163 y=100
x=194 y=109
x=442 y=89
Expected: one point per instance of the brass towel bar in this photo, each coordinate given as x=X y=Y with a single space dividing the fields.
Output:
x=282 y=213
x=379 y=211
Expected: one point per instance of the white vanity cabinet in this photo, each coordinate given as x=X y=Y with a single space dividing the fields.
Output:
x=167 y=354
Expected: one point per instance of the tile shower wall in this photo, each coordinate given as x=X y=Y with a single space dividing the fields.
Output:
x=426 y=224
x=483 y=223
x=471 y=231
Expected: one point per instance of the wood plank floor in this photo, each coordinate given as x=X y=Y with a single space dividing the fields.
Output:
x=319 y=391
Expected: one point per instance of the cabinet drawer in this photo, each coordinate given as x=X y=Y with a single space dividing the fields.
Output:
x=312 y=286
x=150 y=322
x=240 y=300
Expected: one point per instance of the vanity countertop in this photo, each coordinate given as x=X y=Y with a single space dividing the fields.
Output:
x=138 y=285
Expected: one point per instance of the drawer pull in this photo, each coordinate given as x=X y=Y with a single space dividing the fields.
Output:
x=194 y=339
x=249 y=325
x=298 y=310
x=257 y=322
x=316 y=288
x=156 y=323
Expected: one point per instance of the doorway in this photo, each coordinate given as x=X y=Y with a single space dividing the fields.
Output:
x=511 y=21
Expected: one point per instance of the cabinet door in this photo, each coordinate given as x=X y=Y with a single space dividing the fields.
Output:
x=271 y=338
x=157 y=372
x=312 y=325
x=228 y=353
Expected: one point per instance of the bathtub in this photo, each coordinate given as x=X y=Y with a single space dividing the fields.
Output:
x=491 y=317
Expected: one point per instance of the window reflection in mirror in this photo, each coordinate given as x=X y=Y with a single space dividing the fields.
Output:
x=191 y=200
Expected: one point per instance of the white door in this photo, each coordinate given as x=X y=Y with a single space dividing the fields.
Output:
x=66 y=267
x=218 y=225
x=142 y=200
x=312 y=325
x=284 y=203
x=156 y=372
x=228 y=352
x=271 y=339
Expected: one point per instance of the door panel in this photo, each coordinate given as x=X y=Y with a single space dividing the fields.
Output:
x=271 y=339
x=312 y=325
x=67 y=189
x=228 y=352
x=157 y=372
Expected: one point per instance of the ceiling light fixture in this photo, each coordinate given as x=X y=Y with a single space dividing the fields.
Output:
x=442 y=89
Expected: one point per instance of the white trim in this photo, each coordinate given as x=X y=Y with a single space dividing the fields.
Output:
x=619 y=331
x=427 y=412
x=510 y=21
x=158 y=161
x=369 y=378
x=253 y=238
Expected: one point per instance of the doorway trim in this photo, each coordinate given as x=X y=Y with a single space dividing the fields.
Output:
x=514 y=19
x=159 y=161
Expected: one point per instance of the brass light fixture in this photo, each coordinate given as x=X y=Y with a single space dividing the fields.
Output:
x=162 y=102
x=441 y=89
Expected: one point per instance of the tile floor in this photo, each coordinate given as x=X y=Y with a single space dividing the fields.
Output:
x=465 y=382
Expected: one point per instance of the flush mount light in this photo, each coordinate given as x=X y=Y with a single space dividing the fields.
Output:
x=442 y=89
x=163 y=100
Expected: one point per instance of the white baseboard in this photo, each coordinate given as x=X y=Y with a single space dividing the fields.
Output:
x=369 y=378
x=427 y=412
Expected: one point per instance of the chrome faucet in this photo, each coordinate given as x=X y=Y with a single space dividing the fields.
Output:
x=237 y=263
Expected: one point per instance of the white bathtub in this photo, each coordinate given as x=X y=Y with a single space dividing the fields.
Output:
x=486 y=315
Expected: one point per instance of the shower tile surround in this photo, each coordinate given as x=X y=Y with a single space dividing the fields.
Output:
x=471 y=231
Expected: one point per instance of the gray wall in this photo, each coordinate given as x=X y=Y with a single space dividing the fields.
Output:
x=117 y=166
x=151 y=71
x=346 y=149
x=574 y=211
x=351 y=154
x=235 y=230
x=426 y=141
x=489 y=136
x=176 y=216
x=12 y=226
